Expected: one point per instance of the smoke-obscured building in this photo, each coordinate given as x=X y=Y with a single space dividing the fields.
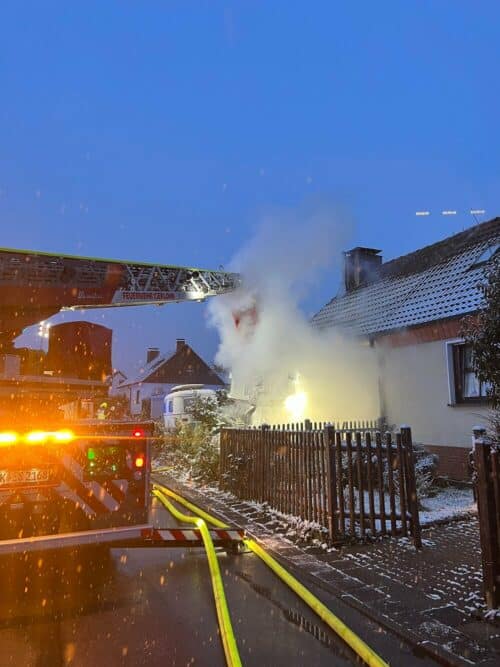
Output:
x=79 y=350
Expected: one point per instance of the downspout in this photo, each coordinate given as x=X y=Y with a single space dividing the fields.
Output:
x=382 y=401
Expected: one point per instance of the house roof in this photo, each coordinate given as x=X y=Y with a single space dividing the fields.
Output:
x=183 y=366
x=437 y=282
x=148 y=369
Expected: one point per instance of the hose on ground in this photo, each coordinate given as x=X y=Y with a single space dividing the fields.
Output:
x=224 y=619
x=365 y=652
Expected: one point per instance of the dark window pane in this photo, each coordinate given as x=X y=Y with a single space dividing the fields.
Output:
x=467 y=384
x=468 y=358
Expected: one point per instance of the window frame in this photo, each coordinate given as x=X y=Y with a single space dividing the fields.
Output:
x=454 y=354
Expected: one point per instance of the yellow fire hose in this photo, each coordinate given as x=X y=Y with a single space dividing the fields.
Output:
x=226 y=628
x=362 y=649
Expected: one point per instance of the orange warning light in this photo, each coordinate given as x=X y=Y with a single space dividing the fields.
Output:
x=8 y=438
x=38 y=437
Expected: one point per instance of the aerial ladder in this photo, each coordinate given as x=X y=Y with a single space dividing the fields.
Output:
x=36 y=285
x=65 y=485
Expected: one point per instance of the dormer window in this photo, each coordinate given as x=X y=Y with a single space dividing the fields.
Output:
x=486 y=255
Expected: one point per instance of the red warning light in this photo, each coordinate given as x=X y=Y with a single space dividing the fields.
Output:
x=139 y=461
x=138 y=433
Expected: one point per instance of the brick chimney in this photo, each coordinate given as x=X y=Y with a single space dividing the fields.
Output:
x=360 y=267
x=181 y=343
x=152 y=353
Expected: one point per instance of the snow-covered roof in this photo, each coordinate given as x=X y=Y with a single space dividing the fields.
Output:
x=434 y=283
x=182 y=366
x=148 y=369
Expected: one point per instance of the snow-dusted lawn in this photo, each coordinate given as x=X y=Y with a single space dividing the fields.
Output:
x=449 y=503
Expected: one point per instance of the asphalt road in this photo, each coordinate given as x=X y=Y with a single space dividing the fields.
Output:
x=155 y=607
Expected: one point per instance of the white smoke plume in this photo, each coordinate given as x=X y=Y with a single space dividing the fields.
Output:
x=268 y=344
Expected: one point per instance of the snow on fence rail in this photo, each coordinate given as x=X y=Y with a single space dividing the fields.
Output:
x=354 y=484
x=362 y=425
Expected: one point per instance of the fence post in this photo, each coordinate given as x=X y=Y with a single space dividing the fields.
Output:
x=487 y=522
x=478 y=433
x=331 y=482
x=361 y=489
x=350 y=482
x=411 y=486
x=222 y=458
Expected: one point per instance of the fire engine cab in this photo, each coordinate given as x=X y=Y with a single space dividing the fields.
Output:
x=70 y=486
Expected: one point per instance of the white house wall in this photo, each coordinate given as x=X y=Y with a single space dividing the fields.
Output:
x=415 y=390
x=148 y=390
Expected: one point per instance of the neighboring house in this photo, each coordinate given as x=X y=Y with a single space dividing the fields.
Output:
x=411 y=310
x=163 y=372
x=116 y=379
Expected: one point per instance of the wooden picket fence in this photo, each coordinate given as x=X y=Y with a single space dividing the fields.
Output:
x=487 y=488
x=353 y=484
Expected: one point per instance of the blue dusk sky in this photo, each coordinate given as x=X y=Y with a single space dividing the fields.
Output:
x=164 y=131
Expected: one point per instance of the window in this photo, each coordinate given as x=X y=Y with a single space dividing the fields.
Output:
x=170 y=407
x=486 y=255
x=189 y=403
x=468 y=387
x=138 y=396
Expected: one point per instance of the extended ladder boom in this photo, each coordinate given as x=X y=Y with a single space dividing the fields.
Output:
x=35 y=285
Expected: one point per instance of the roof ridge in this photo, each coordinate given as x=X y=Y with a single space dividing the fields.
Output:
x=147 y=369
x=480 y=232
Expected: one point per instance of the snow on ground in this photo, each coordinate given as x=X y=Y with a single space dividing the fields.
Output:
x=492 y=614
x=449 y=503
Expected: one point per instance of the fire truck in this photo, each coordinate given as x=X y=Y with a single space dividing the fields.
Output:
x=88 y=482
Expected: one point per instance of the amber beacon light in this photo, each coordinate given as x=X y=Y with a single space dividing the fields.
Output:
x=39 y=437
